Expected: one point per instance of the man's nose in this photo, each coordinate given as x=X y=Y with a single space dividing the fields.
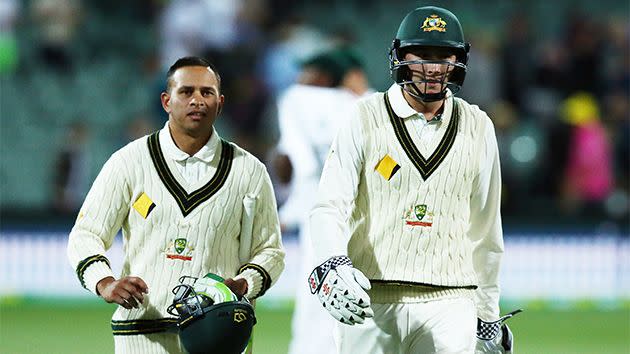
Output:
x=433 y=68
x=197 y=99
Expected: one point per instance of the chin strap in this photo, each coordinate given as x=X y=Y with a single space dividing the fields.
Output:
x=422 y=97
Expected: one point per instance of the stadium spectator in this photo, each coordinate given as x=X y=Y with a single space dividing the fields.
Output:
x=72 y=170
x=588 y=174
x=58 y=22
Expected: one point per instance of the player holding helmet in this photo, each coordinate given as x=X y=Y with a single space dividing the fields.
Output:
x=180 y=196
x=407 y=226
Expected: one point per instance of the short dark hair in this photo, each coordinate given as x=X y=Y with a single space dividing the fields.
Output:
x=191 y=61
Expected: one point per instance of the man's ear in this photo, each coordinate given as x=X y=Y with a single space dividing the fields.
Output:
x=166 y=102
x=221 y=102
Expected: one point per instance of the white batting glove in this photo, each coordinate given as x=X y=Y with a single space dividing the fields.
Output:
x=495 y=337
x=213 y=287
x=341 y=290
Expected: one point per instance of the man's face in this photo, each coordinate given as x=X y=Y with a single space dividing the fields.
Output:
x=431 y=77
x=192 y=100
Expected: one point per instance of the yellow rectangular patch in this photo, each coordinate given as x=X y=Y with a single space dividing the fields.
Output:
x=144 y=205
x=387 y=167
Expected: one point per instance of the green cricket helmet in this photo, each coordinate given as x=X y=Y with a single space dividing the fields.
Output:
x=206 y=326
x=430 y=28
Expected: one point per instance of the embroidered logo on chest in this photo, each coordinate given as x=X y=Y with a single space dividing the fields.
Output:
x=179 y=248
x=418 y=215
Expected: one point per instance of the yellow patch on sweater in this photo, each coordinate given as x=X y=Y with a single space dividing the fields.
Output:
x=387 y=167
x=144 y=205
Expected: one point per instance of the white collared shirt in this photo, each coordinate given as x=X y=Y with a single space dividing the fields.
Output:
x=422 y=131
x=192 y=168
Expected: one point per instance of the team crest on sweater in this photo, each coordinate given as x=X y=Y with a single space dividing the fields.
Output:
x=179 y=248
x=418 y=215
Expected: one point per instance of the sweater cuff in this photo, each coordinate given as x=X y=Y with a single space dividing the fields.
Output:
x=95 y=273
x=254 y=282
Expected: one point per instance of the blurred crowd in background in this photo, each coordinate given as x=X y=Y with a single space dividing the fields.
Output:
x=79 y=79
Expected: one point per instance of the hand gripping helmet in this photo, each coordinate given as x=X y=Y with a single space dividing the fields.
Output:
x=429 y=26
x=206 y=326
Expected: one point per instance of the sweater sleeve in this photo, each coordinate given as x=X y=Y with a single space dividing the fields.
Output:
x=485 y=227
x=267 y=254
x=98 y=222
x=337 y=191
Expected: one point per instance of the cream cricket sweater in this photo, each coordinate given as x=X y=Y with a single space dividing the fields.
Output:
x=413 y=212
x=171 y=228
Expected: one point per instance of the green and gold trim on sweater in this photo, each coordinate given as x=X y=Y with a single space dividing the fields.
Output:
x=188 y=202
x=133 y=327
x=425 y=166
x=266 y=284
x=84 y=264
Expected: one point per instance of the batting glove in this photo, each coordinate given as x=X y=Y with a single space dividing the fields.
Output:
x=214 y=289
x=341 y=290
x=495 y=337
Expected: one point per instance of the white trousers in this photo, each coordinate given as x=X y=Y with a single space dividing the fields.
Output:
x=439 y=326
x=155 y=343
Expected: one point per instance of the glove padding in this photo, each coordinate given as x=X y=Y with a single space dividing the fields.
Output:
x=341 y=290
x=214 y=289
x=495 y=337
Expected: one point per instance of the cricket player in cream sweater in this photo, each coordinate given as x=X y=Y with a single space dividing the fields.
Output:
x=179 y=196
x=407 y=229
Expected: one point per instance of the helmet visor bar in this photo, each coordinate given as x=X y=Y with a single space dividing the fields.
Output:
x=428 y=79
x=429 y=67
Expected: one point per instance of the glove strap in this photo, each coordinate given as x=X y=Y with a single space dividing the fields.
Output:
x=488 y=330
x=319 y=273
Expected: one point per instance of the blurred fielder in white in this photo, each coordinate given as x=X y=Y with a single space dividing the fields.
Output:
x=309 y=114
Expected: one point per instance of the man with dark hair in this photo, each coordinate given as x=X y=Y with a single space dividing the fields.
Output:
x=188 y=203
x=191 y=61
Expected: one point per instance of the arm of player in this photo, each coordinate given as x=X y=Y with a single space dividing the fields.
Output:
x=340 y=287
x=486 y=231
x=266 y=262
x=127 y=292
x=100 y=218
x=337 y=190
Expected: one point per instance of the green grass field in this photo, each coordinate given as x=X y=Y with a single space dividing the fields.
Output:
x=64 y=327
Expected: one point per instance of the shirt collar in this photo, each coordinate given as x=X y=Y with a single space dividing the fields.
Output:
x=402 y=108
x=205 y=154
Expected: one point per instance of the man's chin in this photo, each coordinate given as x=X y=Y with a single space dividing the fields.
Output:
x=198 y=128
